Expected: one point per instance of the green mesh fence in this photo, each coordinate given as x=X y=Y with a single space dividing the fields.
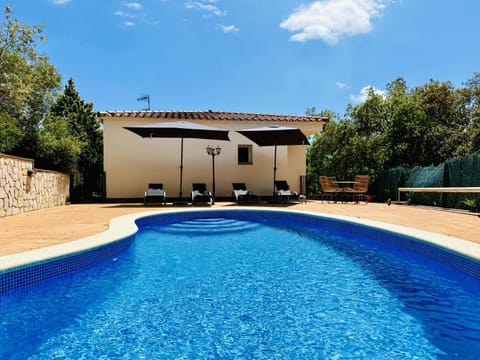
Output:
x=464 y=171
x=457 y=172
x=386 y=185
x=433 y=176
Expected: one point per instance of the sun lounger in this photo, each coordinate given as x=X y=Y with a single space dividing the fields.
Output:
x=155 y=194
x=283 y=191
x=200 y=194
x=242 y=194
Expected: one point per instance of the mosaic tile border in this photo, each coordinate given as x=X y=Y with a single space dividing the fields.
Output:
x=60 y=266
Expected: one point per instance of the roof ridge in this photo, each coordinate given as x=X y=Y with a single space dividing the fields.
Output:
x=208 y=115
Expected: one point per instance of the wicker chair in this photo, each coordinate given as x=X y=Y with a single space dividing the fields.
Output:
x=329 y=188
x=359 y=190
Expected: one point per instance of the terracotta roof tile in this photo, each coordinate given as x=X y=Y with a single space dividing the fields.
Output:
x=211 y=115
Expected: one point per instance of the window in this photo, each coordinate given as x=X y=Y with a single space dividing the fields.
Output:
x=244 y=154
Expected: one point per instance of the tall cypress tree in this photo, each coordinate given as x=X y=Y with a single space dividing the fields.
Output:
x=84 y=125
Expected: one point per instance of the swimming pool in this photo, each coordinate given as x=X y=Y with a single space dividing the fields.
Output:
x=252 y=284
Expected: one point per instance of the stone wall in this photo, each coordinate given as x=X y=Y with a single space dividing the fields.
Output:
x=24 y=188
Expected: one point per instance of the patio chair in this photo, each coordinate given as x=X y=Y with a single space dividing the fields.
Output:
x=360 y=188
x=200 y=194
x=329 y=187
x=242 y=194
x=283 y=191
x=155 y=194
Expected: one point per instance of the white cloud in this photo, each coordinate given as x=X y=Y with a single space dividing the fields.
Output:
x=129 y=23
x=206 y=6
x=363 y=95
x=331 y=20
x=60 y=2
x=130 y=5
x=134 y=5
x=340 y=85
x=123 y=14
x=228 y=28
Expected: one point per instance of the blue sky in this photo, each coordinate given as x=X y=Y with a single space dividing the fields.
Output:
x=262 y=56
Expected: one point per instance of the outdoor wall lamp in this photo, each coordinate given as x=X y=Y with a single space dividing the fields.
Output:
x=213 y=151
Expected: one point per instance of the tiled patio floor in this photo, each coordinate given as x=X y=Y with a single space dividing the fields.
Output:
x=72 y=222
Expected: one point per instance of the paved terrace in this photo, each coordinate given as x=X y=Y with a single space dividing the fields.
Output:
x=57 y=225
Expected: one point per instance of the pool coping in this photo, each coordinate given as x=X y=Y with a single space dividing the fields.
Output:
x=124 y=226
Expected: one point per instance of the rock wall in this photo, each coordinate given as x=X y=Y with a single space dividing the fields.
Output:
x=24 y=188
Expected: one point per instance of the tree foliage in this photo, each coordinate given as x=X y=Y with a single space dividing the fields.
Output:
x=18 y=38
x=60 y=131
x=84 y=125
x=422 y=126
x=9 y=132
x=28 y=84
x=59 y=149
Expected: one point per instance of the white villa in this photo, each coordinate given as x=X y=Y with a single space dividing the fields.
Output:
x=132 y=162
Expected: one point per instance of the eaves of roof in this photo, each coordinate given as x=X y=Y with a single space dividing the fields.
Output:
x=210 y=115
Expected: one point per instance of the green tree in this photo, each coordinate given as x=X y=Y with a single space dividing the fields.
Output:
x=331 y=152
x=470 y=99
x=58 y=148
x=370 y=117
x=9 y=132
x=317 y=158
x=28 y=83
x=19 y=38
x=370 y=121
x=406 y=127
x=61 y=132
x=84 y=125
x=444 y=126
x=423 y=126
x=405 y=135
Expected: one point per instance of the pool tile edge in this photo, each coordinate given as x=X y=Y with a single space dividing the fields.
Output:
x=124 y=226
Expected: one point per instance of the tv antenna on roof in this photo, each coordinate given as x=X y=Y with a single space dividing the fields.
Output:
x=147 y=99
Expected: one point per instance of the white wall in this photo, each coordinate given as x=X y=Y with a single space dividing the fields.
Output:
x=131 y=162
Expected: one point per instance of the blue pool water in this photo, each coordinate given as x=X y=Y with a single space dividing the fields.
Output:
x=228 y=288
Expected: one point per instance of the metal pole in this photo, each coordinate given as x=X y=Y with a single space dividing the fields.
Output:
x=213 y=177
x=181 y=170
x=274 y=169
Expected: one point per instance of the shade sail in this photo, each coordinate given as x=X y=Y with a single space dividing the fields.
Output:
x=274 y=136
x=181 y=130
